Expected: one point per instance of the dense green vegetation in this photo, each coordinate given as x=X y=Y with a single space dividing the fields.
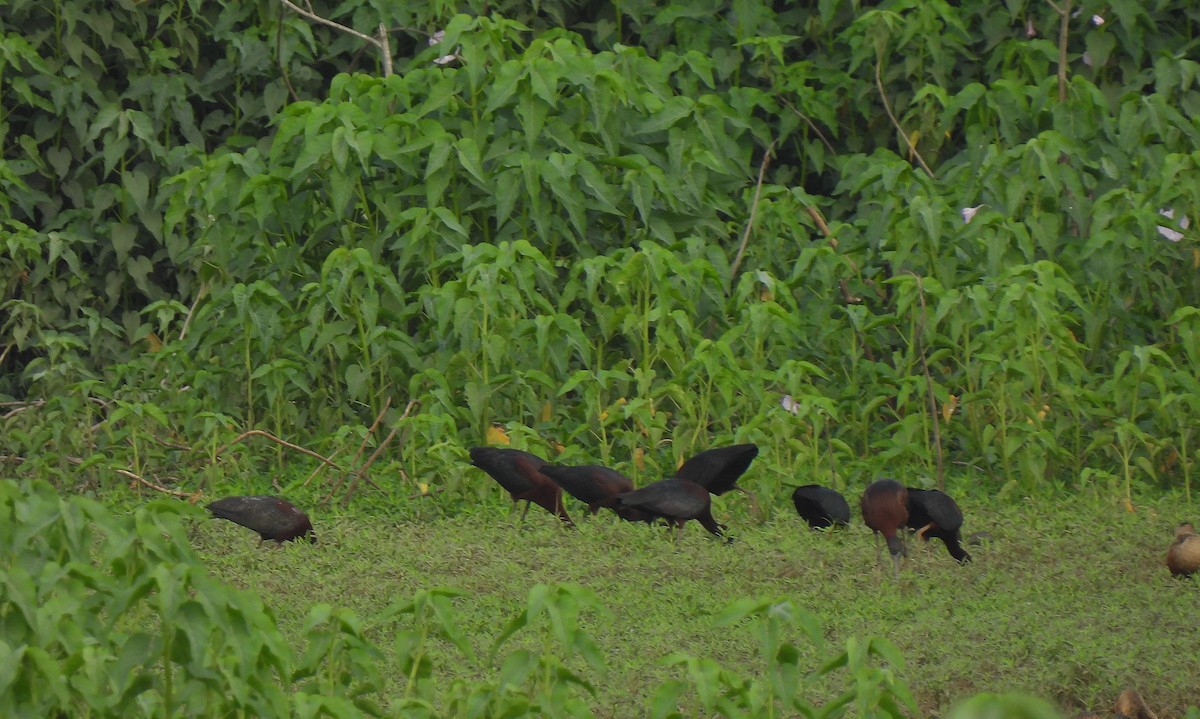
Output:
x=952 y=244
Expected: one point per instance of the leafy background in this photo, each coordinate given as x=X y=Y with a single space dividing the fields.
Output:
x=613 y=232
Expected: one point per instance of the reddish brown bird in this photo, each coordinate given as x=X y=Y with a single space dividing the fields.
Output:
x=1130 y=705
x=591 y=484
x=884 y=507
x=935 y=514
x=520 y=473
x=821 y=506
x=1183 y=557
x=272 y=517
x=718 y=469
x=675 y=500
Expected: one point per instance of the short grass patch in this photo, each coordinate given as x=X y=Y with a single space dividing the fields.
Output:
x=1068 y=601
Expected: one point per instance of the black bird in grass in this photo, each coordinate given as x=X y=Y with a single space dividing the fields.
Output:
x=272 y=517
x=935 y=514
x=520 y=473
x=821 y=506
x=718 y=469
x=595 y=486
x=675 y=500
x=884 y=507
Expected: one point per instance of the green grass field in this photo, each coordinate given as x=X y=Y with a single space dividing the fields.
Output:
x=1069 y=601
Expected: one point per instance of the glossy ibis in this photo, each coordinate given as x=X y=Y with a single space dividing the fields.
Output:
x=718 y=469
x=520 y=474
x=884 y=507
x=1183 y=557
x=272 y=517
x=591 y=484
x=821 y=506
x=675 y=500
x=935 y=514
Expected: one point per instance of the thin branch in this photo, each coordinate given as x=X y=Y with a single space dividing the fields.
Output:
x=380 y=42
x=187 y=321
x=273 y=438
x=762 y=171
x=157 y=487
x=887 y=106
x=362 y=447
x=287 y=80
x=812 y=125
x=319 y=468
x=19 y=407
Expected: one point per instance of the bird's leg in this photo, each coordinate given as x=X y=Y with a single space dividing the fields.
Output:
x=896 y=567
x=524 y=512
x=878 y=554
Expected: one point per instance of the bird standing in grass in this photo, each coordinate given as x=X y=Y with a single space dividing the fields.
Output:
x=272 y=517
x=821 y=506
x=1183 y=557
x=935 y=514
x=884 y=507
x=519 y=472
x=675 y=500
x=591 y=484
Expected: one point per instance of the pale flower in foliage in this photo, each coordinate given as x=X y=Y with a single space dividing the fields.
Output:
x=968 y=213
x=1167 y=232
x=444 y=59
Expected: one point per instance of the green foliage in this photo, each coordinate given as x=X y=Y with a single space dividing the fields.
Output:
x=222 y=216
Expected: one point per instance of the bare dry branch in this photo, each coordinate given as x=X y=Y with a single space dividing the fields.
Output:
x=381 y=42
x=192 y=310
x=762 y=171
x=273 y=438
x=156 y=487
x=887 y=106
x=812 y=126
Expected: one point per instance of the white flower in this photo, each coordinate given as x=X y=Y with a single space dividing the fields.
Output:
x=789 y=404
x=968 y=213
x=1097 y=20
x=1167 y=232
x=444 y=59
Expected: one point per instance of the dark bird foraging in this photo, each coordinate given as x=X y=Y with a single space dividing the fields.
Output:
x=593 y=485
x=718 y=469
x=884 y=507
x=821 y=506
x=675 y=500
x=1183 y=557
x=520 y=473
x=272 y=517
x=935 y=514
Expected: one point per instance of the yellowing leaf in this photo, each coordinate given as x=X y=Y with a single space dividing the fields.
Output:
x=423 y=487
x=497 y=435
x=1129 y=506
x=547 y=411
x=639 y=459
x=949 y=407
x=154 y=342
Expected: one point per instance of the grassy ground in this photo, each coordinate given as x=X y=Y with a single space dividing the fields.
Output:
x=1070 y=602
